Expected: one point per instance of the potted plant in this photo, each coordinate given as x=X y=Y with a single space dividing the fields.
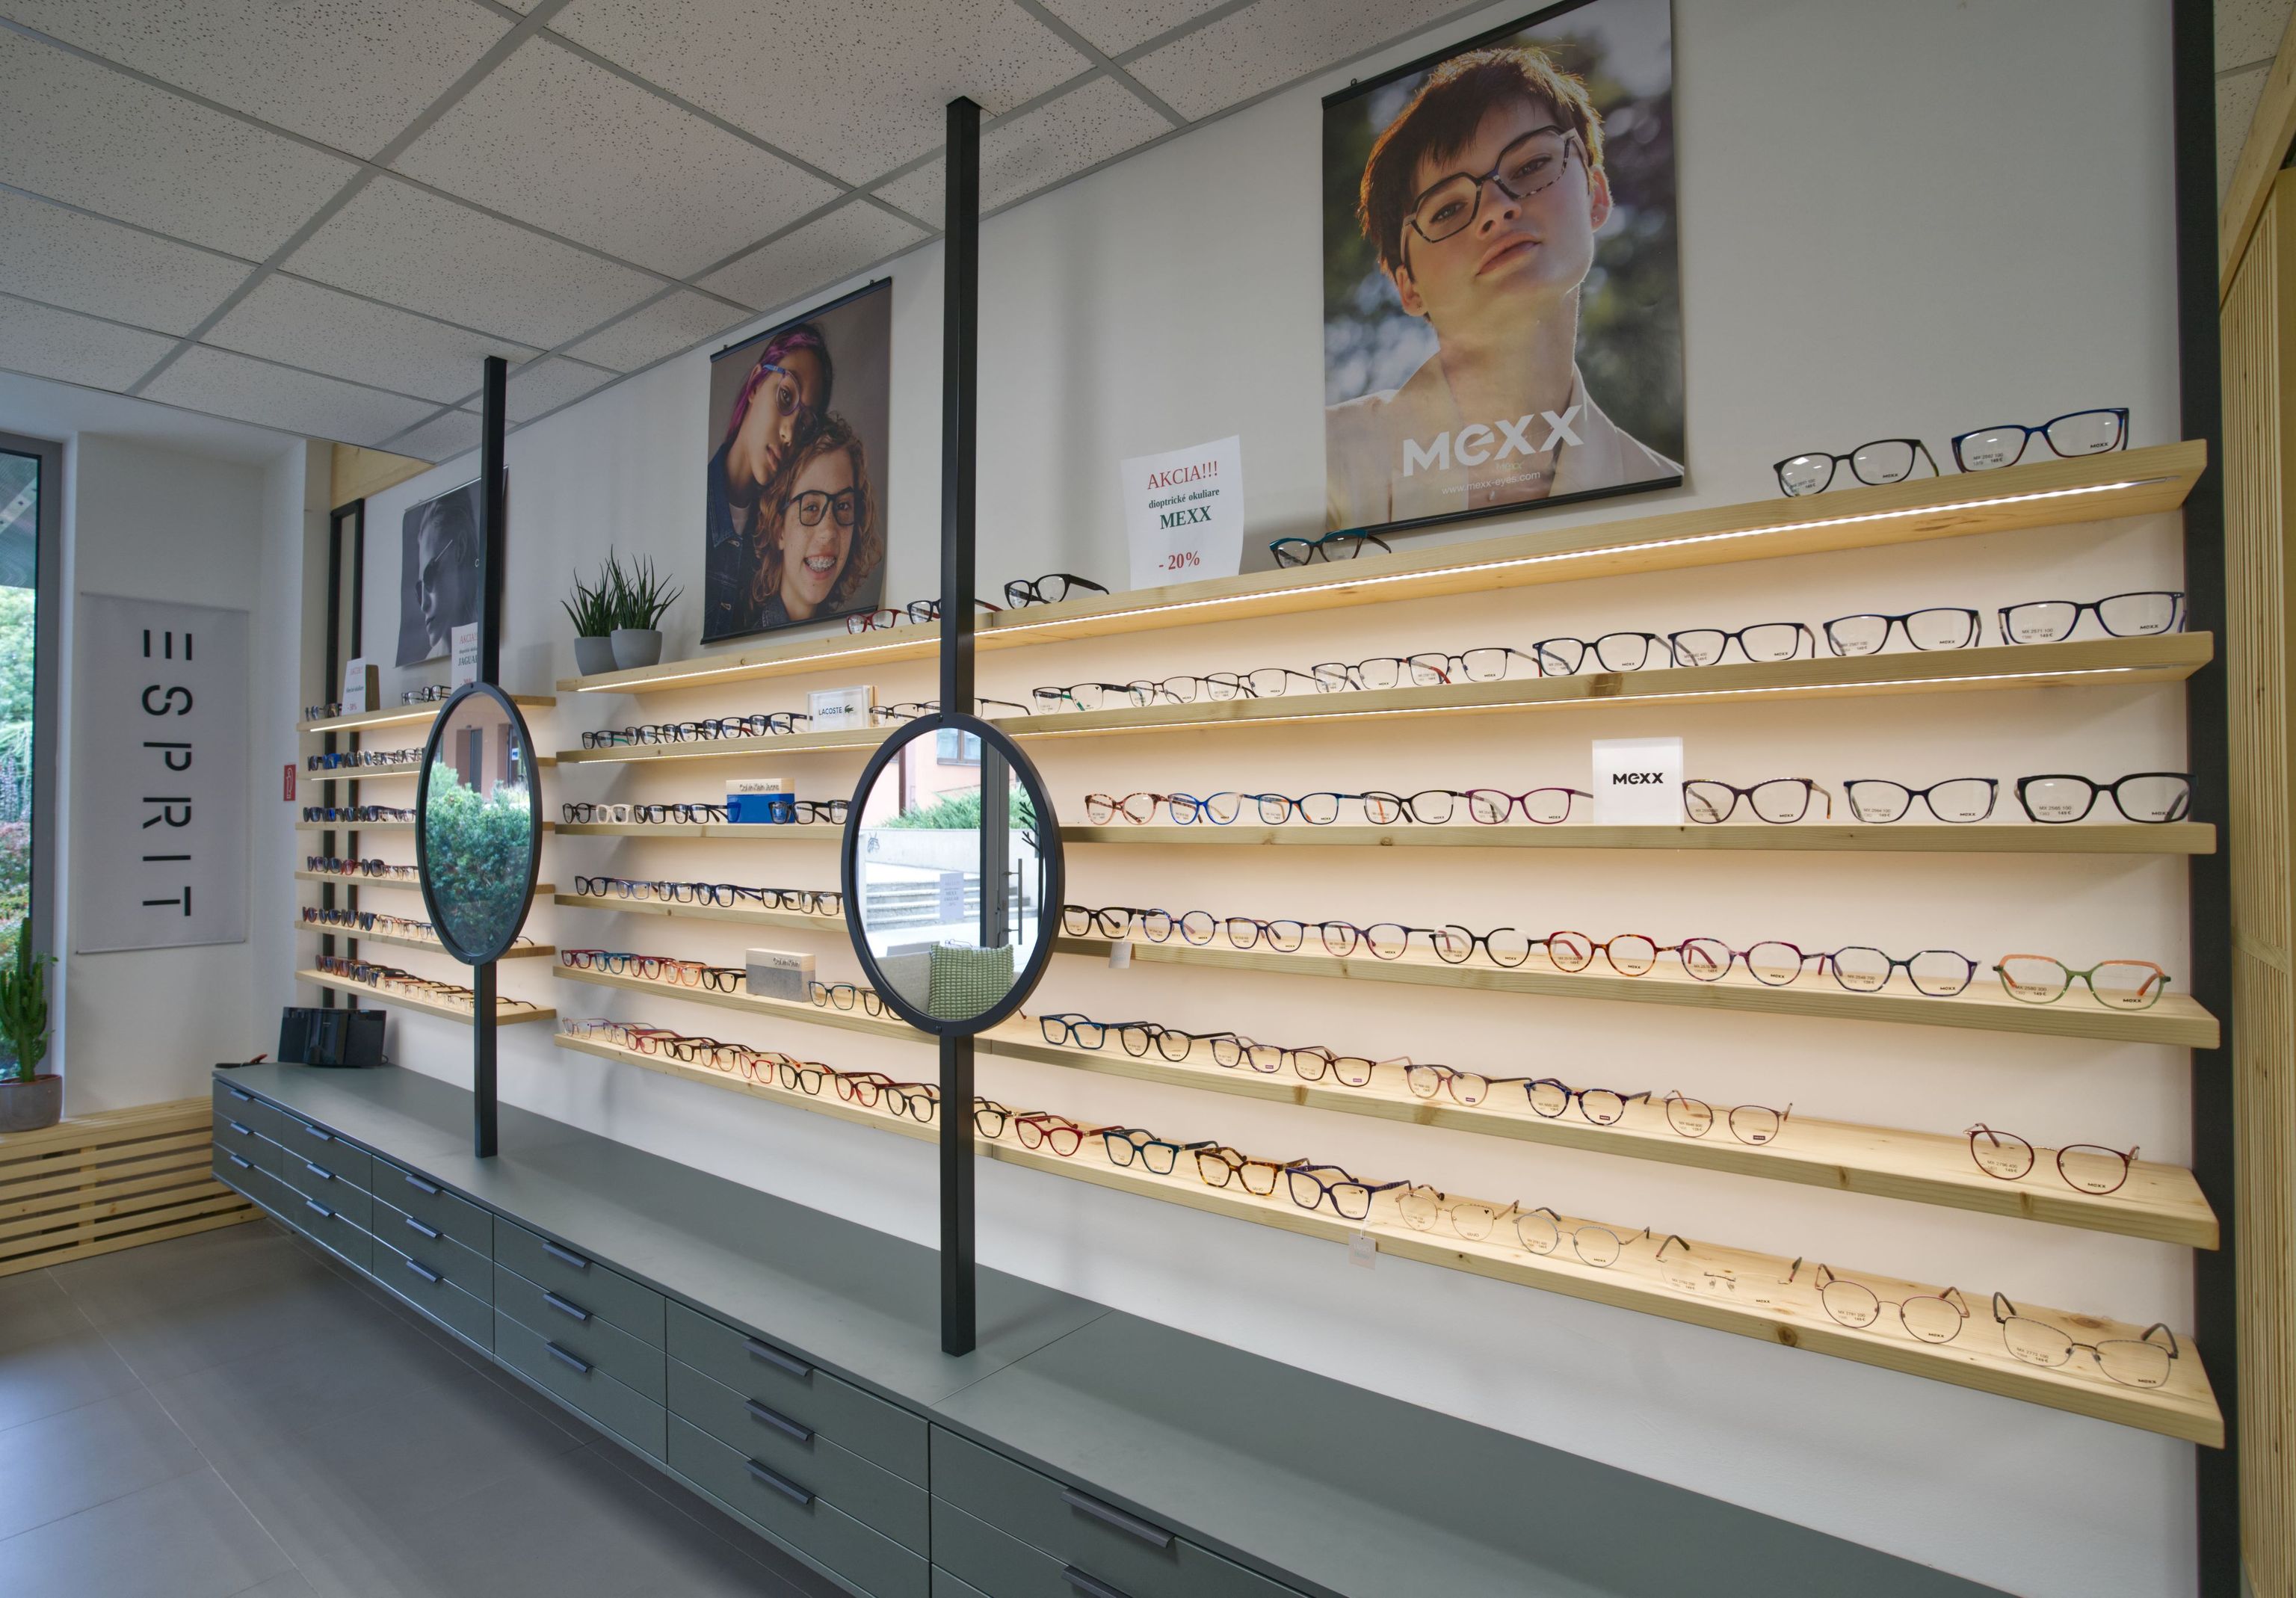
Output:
x=640 y=597
x=29 y=1100
x=593 y=616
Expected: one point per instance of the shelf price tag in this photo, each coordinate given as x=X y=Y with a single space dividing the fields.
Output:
x=1638 y=781
x=1363 y=1250
x=1183 y=513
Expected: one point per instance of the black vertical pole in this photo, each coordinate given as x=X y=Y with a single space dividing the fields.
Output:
x=960 y=349
x=2216 y=1309
x=483 y=1135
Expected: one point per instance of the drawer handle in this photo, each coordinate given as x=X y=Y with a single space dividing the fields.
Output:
x=313 y=1204
x=1091 y=1586
x=243 y=1165
x=242 y=1128
x=320 y=1171
x=564 y=1256
x=420 y=1185
x=779 y=1421
x=777 y=1359
x=562 y=1357
x=786 y=1488
x=430 y=1276
x=565 y=1308
x=415 y=1225
x=314 y=1131
x=241 y=1094
x=1107 y=1514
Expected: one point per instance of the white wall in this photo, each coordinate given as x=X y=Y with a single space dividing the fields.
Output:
x=1910 y=217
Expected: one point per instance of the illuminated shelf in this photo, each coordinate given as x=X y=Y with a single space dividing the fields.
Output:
x=369 y=773
x=2051 y=493
x=504 y=1013
x=403 y=884
x=718 y=831
x=2159 y=1202
x=2116 y=838
x=374 y=826
x=1724 y=1289
x=407 y=716
x=744 y=913
x=519 y=951
x=2176 y=1020
x=724 y=749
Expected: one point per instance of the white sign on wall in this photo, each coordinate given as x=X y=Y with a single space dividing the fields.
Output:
x=160 y=809
x=1183 y=513
x=1638 y=781
x=466 y=654
x=837 y=710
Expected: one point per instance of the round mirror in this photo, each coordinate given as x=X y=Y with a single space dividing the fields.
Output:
x=477 y=841
x=952 y=874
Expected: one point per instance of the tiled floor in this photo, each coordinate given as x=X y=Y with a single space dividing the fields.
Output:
x=230 y=1413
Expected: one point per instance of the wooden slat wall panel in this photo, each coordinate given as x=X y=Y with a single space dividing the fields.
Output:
x=96 y=1184
x=2259 y=420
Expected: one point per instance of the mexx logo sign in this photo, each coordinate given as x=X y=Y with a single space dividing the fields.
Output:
x=1625 y=778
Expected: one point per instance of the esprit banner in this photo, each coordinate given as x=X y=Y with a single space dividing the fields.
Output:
x=1183 y=513
x=160 y=811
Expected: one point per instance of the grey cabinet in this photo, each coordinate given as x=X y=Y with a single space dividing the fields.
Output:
x=885 y=1434
x=621 y=1410
x=787 y=1507
x=601 y=1290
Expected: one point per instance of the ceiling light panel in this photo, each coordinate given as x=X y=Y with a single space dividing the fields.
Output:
x=308 y=325
x=1269 y=44
x=857 y=89
x=675 y=323
x=1117 y=26
x=557 y=141
x=47 y=342
x=66 y=259
x=1088 y=125
x=300 y=402
x=816 y=255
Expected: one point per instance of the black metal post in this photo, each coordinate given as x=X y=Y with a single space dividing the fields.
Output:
x=484 y=1110
x=960 y=378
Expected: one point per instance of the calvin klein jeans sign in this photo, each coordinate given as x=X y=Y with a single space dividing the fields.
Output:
x=160 y=811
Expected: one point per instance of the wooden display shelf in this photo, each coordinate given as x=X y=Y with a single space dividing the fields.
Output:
x=97 y=1184
x=402 y=884
x=2159 y=1202
x=375 y=826
x=407 y=716
x=719 y=832
x=517 y=951
x=2116 y=838
x=506 y=1014
x=2044 y=494
x=725 y=749
x=365 y=774
x=1724 y=1289
x=2176 y=1020
x=733 y=913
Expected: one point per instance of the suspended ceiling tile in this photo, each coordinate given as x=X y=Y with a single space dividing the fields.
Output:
x=857 y=88
x=224 y=384
x=2248 y=30
x=679 y=322
x=817 y=254
x=557 y=141
x=308 y=325
x=2237 y=93
x=347 y=74
x=49 y=253
x=78 y=132
x=1272 y=43
x=1116 y=25
x=548 y=384
x=398 y=243
x=1082 y=128
x=47 y=342
x=441 y=438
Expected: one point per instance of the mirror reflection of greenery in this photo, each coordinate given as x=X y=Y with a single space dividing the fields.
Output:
x=478 y=845
x=961 y=812
x=17 y=612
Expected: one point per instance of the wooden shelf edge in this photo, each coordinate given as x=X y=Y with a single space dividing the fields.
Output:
x=726 y=749
x=370 y=773
x=732 y=913
x=375 y=826
x=504 y=1016
x=399 y=884
x=522 y=951
x=716 y=831
x=2118 y=838
x=407 y=716
x=915 y=641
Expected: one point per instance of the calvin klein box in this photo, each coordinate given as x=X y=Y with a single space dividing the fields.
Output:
x=781 y=974
x=766 y=801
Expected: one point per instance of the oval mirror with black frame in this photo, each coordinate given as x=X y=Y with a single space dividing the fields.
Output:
x=478 y=836
x=952 y=874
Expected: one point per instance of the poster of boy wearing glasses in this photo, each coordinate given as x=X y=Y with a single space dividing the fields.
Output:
x=1503 y=297
x=794 y=518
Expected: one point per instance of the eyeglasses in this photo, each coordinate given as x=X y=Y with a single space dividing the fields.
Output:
x=1883 y=461
x=1049 y=589
x=1563 y=657
x=2116 y=984
x=1331 y=547
x=1068 y=1028
x=2074 y=433
x=1531 y=165
x=1311 y=1062
x=1422 y=1207
x=430 y=696
x=656 y=967
x=585 y=810
x=1956 y=801
x=829 y=810
x=1040 y=1129
x=1926 y=1317
x=326 y=712
x=1939 y=626
x=814 y=504
x=1349 y=1197
x=1461 y=1087
x=845 y=996
x=2153 y=798
x=339 y=759
x=2141 y=613
x=774 y=724
x=1543 y=1232
x=1765 y=641
x=915 y=611
x=2090 y=1167
x=332 y=866
x=1129 y=1145
x=1603 y=1106
x=2140 y=1361
x=910 y=709
x=1780 y=800
x=1940 y=973
x=354 y=813
x=811 y=901
x=1750 y=1124
x=1219 y=1166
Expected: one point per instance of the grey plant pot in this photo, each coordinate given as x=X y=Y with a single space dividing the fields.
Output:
x=28 y=1106
x=594 y=655
x=636 y=646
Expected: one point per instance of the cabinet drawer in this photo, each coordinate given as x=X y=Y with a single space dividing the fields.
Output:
x=602 y=1290
x=241 y=1106
x=254 y=1182
x=882 y=1433
x=574 y=1327
x=1121 y=1550
x=875 y=1497
x=417 y=1195
x=234 y=1168
x=316 y=1180
x=944 y=1586
x=784 y=1507
x=984 y=1558
x=464 y=1267
x=322 y=1223
x=629 y=1416
x=305 y=1141
x=432 y=1292
x=241 y=1136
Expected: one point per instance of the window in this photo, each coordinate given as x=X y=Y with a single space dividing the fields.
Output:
x=948 y=751
x=29 y=472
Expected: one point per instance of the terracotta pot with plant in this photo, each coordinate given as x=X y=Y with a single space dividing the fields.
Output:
x=29 y=1100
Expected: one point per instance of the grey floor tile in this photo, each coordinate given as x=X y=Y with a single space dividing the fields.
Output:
x=164 y=1335
x=294 y=1583
x=189 y=1537
x=67 y=1463
x=134 y=1280
x=52 y=1356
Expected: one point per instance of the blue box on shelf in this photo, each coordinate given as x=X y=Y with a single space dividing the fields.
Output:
x=760 y=801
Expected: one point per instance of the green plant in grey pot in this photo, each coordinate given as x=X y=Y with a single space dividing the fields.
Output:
x=593 y=616
x=29 y=1100
x=640 y=597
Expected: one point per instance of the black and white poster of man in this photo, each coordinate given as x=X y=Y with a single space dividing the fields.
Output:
x=795 y=523
x=440 y=582
x=1503 y=292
